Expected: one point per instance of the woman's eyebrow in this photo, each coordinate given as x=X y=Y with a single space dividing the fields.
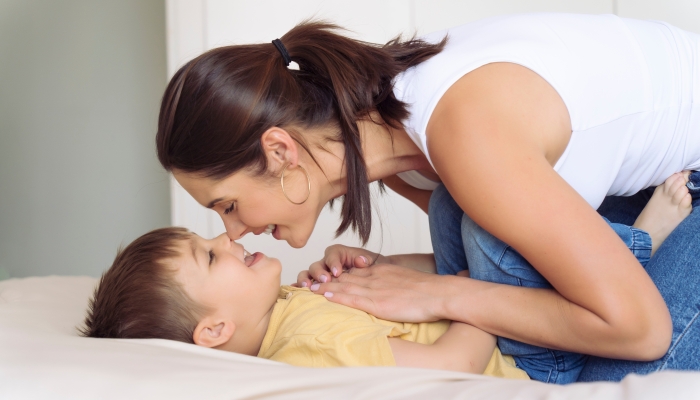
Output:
x=213 y=202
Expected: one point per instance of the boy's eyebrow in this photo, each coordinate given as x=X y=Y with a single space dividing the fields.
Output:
x=193 y=246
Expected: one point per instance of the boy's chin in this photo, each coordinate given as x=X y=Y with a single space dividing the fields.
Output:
x=278 y=268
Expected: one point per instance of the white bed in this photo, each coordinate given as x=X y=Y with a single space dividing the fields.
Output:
x=42 y=357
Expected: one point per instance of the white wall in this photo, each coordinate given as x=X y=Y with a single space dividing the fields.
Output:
x=684 y=14
x=198 y=25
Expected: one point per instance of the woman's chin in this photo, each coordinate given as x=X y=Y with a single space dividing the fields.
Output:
x=296 y=243
x=291 y=240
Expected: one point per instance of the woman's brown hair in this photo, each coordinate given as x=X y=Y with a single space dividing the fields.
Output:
x=217 y=106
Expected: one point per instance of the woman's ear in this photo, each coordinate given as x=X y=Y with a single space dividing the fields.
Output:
x=280 y=148
x=213 y=333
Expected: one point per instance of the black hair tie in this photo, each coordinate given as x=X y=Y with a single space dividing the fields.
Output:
x=283 y=50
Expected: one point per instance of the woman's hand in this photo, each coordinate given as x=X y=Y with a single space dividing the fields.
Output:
x=392 y=292
x=337 y=259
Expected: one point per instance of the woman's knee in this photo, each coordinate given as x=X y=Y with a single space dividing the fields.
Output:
x=445 y=217
x=492 y=260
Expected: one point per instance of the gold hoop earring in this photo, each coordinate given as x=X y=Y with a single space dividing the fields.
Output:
x=308 y=180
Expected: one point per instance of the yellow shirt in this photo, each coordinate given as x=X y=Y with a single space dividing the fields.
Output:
x=308 y=330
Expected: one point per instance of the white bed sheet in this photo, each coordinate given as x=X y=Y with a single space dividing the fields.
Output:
x=41 y=357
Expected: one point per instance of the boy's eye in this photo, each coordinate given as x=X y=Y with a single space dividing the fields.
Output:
x=230 y=208
x=211 y=256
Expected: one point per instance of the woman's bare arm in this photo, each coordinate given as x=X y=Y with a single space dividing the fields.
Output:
x=493 y=138
x=417 y=261
x=491 y=135
x=462 y=348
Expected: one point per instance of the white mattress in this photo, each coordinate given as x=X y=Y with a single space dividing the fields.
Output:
x=41 y=357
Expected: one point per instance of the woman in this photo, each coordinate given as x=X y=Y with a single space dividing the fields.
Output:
x=529 y=121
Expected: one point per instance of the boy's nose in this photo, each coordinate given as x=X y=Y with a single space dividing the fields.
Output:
x=224 y=239
x=228 y=242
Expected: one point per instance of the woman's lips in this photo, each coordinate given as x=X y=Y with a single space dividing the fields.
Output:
x=276 y=233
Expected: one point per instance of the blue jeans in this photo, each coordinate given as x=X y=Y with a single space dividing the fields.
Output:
x=460 y=244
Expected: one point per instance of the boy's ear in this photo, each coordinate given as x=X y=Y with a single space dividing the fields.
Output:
x=213 y=333
x=280 y=148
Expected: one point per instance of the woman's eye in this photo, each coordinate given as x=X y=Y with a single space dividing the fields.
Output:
x=211 y=256
x=230 y=208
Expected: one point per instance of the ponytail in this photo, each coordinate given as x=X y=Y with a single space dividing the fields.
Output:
x=217 y=106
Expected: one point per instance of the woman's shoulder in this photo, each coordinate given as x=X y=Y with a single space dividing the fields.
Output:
x=578 y=56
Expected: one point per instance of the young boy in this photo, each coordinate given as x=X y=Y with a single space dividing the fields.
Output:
x=172 y=284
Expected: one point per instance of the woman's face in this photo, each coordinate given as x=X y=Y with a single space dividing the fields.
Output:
x=248 y=203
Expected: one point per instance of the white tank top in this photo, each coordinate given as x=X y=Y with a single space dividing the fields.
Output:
x=630 y=88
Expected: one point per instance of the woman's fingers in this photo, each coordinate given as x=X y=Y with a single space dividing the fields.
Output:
x=362 y=262
x=352 y=300
x=337 y=259
x=340 y=287
x=304 y=279
x=319 y=272
x=355 y=272
x=334 y=260
x=389 y=292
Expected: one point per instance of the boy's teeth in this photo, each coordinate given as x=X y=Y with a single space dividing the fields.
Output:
x=269 y=229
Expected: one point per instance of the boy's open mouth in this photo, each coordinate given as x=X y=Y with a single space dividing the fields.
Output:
x=251 y=259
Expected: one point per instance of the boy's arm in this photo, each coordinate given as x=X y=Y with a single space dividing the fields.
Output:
x=463 y=348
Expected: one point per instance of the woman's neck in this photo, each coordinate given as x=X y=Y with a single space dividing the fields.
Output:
x=388 y=151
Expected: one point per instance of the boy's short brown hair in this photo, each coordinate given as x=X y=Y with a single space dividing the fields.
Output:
x=139 y=298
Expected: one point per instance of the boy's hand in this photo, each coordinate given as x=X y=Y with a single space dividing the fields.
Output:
x=337 y=259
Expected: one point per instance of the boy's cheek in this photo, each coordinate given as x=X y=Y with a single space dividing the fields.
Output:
x=277 y=264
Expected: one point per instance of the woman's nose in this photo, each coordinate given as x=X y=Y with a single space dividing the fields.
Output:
x=234 y=228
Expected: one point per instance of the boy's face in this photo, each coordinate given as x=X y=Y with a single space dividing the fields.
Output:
x=220 y=275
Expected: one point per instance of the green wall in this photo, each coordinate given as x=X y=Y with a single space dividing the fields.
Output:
x=80 y=85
